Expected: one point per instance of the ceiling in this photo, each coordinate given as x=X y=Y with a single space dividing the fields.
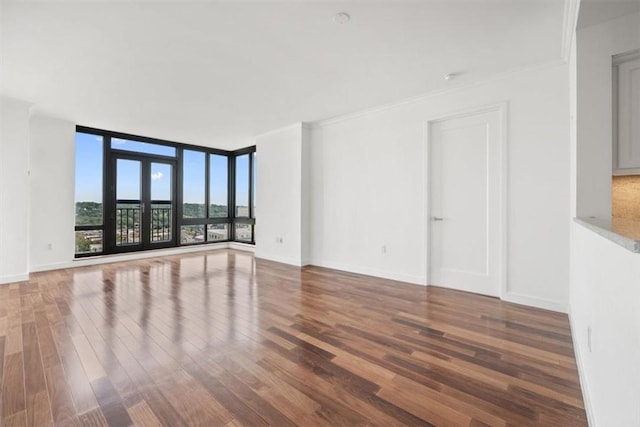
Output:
x=594 y=12
x=219 y=73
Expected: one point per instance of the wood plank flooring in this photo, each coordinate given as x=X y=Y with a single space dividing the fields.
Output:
x=220 y=339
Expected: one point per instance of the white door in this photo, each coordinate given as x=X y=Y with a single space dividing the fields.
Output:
x=465 y=203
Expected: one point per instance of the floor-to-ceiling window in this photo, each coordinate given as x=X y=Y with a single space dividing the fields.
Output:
x=135 y=193
x=218 y=228
x=89 y=194
x=244 y=217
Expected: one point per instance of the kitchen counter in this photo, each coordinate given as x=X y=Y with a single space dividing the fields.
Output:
x=624 y=232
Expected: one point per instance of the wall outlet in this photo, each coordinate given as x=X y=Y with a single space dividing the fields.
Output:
x=50 y=246
x=589 y=342
x=384 y=249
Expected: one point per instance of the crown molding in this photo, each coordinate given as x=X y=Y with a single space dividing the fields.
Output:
x=569 y=23
x=426 y=96
x=297 y=125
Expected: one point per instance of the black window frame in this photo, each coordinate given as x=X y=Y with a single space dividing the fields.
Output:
x=107 y=188
x=241 y=219
x=93 y=227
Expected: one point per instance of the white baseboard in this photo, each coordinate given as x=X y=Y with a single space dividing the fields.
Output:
x=105 y=259
x=584 y=385
x=242 y=246
x=14 y=278
x=534 y=302
x=52 y=266
x=417 y=280
x=282 y=260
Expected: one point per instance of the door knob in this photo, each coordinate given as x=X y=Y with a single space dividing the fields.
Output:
x=437 y=218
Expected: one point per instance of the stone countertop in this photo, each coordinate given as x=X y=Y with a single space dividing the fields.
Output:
x=625 y=232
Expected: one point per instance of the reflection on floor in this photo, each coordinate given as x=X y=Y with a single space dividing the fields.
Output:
x=220 y=339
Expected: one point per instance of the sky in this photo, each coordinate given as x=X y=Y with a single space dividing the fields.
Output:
x=89 y=173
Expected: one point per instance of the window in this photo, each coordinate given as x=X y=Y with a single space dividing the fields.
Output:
x=193 y=183
x=161 y=202
x=190 y=234
x=88 y=194
x=128 y=202
x=244 y=196
x=242 y=186
x=217 y=232
x=135 y=193
x=244 y=232
x=142 y=147
x=218 y=186
x=253 y=185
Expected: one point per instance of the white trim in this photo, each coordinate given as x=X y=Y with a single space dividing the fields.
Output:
x=584 y=385
x=503 y=116
x=12 y=278
x=105 y=259
x=569 y=23
x=427 y=96
x=391 y=275
x=625 y=57
x=468 y=111
x=544 y=303
x=241 y=246
x=52 y=266
x=426 y=209
x=282 y=260
x=502 y=109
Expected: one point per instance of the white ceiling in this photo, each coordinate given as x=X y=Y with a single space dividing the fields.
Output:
x=219 y=73
x=594 y=12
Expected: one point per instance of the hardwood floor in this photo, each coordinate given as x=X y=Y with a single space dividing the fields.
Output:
x=218 y=339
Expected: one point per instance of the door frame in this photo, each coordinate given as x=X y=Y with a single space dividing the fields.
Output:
x=502 y=109
x=145 y=195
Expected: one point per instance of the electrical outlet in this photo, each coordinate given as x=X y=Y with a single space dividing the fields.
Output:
x=50 y=246
x=384 y=249
x=589 y=341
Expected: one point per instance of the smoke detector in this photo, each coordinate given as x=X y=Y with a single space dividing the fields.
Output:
x=342 y=18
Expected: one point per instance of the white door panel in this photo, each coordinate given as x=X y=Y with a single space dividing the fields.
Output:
x=465 y=203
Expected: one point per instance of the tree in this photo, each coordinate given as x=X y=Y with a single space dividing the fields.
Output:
x=82 y=243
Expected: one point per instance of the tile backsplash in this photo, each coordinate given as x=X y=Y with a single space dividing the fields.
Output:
x=626 y=197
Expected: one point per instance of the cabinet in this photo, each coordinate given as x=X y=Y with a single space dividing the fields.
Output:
x=626 y=114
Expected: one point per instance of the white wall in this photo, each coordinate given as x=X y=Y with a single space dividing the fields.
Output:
x=280 y=196
x=52 y=163
x=367 y=185
x=605 y=295
x=595 y=47
x=14 y=190
x=605 y=278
